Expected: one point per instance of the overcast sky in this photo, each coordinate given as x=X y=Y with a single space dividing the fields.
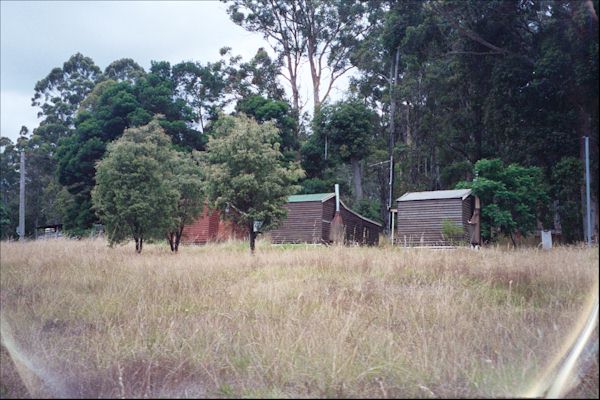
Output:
x=38 y=36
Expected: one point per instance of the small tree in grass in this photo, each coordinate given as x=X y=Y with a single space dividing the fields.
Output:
x=145 y=188
x=245 y=173
x=187 y=179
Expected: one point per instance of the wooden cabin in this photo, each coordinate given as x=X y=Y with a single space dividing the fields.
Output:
x=309 y=220
x=421 y=217
x=210 y=227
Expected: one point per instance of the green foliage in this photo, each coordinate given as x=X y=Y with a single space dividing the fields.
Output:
x=5 y=223
x=41 y=186
x=316 y=185
x=313 y=157
x=111 y=108
x=135 y=195
x=369 y=208
x=245 y=173
x=257 y=77
x=59 y=94
x=263 y=110
x=188 y=181
x=202 y=88
x=349 y=127
x=9 y=186
x=513 y=197
x=124 y=69
x=464 y=80
x=451 y=231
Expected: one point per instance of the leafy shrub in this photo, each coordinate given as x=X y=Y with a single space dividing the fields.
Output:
x=452 y=232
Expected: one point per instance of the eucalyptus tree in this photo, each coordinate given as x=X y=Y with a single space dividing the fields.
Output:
x=58 y=95
x=202 y=88
x=320 y=32
x=124 y=69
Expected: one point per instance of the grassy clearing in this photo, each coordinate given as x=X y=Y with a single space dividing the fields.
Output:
x=82 y=319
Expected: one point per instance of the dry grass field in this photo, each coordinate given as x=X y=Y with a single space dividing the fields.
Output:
x=80 y=319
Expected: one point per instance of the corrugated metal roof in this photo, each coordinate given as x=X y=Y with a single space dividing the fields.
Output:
x=298 y=198
x=436 y=195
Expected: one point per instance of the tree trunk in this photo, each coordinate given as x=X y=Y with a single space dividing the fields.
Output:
x=174 y=238
x=316 y=79
x=138 y=244
x=293 y=79
x=295 y=99
x=170 y=240
x=178 y=235
x=357 y=177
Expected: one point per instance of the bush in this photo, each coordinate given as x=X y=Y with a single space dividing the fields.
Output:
x=452 y=232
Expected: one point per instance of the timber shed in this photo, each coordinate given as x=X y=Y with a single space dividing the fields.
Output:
x=421 y=217
x=211 y=227
x=309 y=220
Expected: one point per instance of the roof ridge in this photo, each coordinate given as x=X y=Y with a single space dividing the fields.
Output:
x=310 y=197
x=435 y=194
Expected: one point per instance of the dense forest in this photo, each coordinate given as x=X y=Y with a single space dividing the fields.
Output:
x=439 y=91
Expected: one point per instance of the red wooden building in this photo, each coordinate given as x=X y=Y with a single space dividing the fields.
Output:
x=210 y=227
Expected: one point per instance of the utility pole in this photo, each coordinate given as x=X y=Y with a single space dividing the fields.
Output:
x=390 y=189
x=393 y=80
x=22 y=198
x=587 y=191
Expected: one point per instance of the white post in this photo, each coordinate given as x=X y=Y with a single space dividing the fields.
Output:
x=546 y=239
x=22 y=198
x=337 y=198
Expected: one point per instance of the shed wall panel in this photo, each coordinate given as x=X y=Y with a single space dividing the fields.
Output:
x=357 y=229
x=419 y=222
x=302 y=225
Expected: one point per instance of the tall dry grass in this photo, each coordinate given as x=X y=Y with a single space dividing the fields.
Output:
x=82 y=319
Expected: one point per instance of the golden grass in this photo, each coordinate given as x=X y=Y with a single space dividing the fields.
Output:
x=82 y=319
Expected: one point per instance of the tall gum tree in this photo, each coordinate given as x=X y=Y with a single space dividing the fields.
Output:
x=320 y=32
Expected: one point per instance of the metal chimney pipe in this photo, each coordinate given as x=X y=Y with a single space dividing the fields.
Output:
x=337 y=198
